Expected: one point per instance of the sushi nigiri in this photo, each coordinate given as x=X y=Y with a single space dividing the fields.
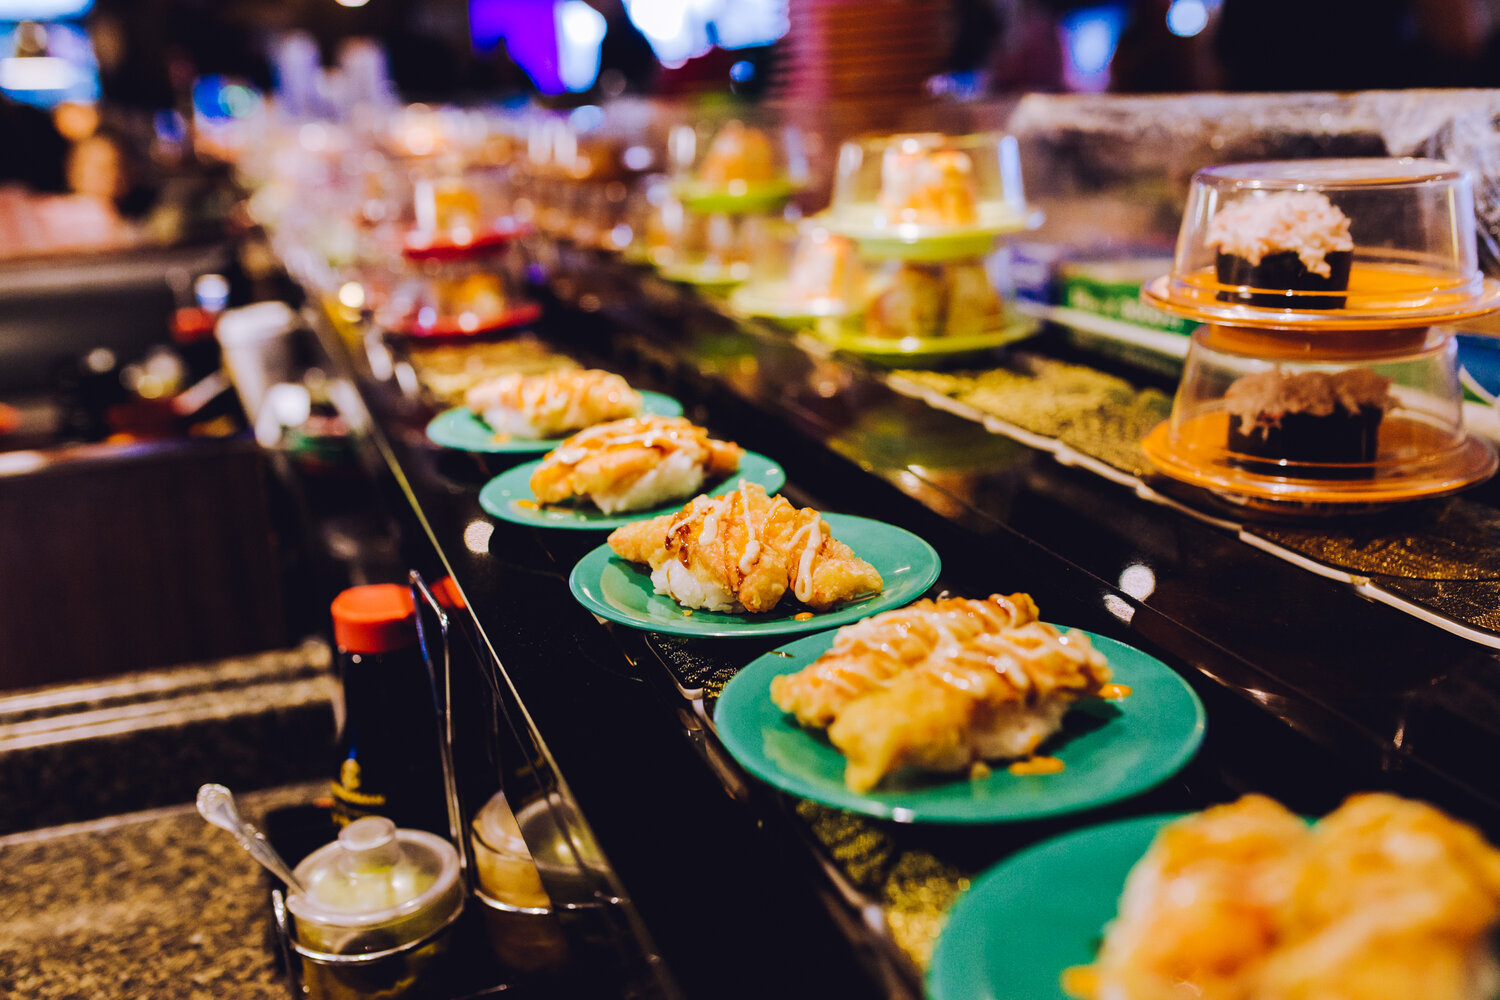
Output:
x=942 y=685
x=633 y=464
x=552 y=403
x=867 y=654
x=1384 y=898
x=744 y=551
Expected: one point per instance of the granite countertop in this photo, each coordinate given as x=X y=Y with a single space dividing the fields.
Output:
x=155 y=904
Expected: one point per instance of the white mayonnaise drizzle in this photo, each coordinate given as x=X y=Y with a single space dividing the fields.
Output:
x=803 y=586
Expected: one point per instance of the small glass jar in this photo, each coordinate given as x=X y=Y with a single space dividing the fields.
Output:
x=378 y=912
x=502 y=860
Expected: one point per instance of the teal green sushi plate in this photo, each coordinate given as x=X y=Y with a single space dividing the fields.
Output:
x=508 y=496
x=1111 y=750
x=462 y=429
x=621 y=591
x=1037 y=914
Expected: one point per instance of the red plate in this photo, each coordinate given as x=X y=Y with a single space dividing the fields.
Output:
x=449 y=326
x=425 y=246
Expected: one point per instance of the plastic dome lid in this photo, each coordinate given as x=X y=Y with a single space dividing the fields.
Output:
x=744 y=164
x=928 y=195
x=402 y=884
x=1340 y=244
x=1350 y=426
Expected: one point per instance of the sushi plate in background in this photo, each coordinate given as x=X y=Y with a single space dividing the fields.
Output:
x=622 y=592
x=916 y=351
x=508 y=496
x=1024 y=923
x=464 y=430
x=1110 y=750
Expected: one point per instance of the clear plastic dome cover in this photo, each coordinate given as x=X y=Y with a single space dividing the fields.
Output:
x=1339 y=243
x=798 y=268
x=744 y=164
x=457 y=297
x=1256 y=414
x=925 y=190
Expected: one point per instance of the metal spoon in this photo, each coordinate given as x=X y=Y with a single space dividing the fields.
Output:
x=216 y=804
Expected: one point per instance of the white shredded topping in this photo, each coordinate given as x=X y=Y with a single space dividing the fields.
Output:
x=1304 y=222
x=1271 y=394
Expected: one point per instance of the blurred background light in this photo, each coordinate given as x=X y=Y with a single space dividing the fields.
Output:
x=580 y=31
x=1090 y=37
x=679 y=30
x=1186 y=18
x=43 y=10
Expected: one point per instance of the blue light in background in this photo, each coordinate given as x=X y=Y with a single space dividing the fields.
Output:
x=43 y=10
x=1090 y=37
x=679 y=30
x=1185 y=18
x=68 y=71
x=218 y=98
x=580 y=31
x=529 y=30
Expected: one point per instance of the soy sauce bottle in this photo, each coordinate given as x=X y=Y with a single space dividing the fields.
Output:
x=389 y=761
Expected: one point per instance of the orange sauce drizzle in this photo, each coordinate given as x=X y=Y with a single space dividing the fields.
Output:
x=500 y=438
x=1081 y=981
x=1036 y=765
x=687 y=612
x=528 y=505
x=1115 y=691
x=803 y=616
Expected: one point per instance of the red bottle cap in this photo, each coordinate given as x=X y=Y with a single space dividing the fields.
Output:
x=447 y=593
x=374 y=619
x=191 y=324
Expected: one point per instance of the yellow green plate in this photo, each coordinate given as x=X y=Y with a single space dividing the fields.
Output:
x=712 y=199
x=1110 y=750
x=915 y=350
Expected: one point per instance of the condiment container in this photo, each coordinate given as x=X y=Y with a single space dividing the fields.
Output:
x=502 y=861
x=376 y=917
x=389 y=756
x=518 y=915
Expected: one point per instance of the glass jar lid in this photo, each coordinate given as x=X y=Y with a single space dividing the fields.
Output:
x=375 y=887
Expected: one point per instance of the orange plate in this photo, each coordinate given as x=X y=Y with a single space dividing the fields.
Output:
x=1198 y=456
x=1389 y=296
